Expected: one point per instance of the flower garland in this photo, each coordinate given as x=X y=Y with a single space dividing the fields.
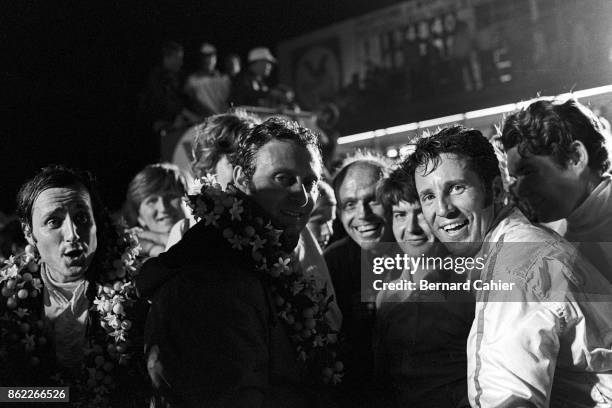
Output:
x=23 y=342
x=299 y=301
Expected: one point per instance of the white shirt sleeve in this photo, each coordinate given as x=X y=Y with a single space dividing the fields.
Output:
x=513 y=350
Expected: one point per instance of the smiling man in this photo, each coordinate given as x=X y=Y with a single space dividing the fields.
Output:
x=214 y=333
x=420 y=335
x=368 y=227
x=559 y=161
x=547 y=341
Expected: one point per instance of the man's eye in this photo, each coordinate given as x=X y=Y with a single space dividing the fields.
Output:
x=457 y=189
x=53 y=222
x=349 y=205
x=399 y=215
x=82 y=218
x=426 y=198
x=285 y=180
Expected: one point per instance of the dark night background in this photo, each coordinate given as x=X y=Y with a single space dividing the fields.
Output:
x=72 y=71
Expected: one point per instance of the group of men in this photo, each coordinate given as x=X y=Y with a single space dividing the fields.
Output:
x=169 y=101
x=546 y=342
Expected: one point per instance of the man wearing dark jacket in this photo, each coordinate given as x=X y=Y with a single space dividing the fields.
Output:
x=214 y=335
x=367 y=225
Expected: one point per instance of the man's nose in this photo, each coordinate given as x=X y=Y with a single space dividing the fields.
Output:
x=364 y=209
x=299 y=194
x=444 y=207
x=413 y=225
x=69 y=229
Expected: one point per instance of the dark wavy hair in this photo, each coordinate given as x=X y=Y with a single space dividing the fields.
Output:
x=469 y=144
x=399 y=186
x=274 y=128
x=217 y=136
x=549 y=128
x=59 y=176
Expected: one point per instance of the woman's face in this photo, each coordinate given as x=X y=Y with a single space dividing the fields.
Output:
x=64 y=231
x=223 y=171
x=159 y=212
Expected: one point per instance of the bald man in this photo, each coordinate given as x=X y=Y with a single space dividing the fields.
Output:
x=367 y=225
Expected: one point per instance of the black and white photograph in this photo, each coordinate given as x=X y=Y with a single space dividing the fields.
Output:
x=306 y=204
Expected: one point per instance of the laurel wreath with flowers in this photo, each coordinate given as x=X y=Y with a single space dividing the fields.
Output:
x=24 y=346
x=300 y=302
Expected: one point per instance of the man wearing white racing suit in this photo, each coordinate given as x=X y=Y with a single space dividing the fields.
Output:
x=547 y=339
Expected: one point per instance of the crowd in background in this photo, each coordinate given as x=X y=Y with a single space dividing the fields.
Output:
x=549 y=163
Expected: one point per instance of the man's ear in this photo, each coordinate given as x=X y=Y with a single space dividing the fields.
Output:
x=27 y=233
x=241 y=181
x=579 y=157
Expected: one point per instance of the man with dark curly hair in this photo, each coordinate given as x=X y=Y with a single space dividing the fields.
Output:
x=218 y=332
x=541 y=332
x=558 y=158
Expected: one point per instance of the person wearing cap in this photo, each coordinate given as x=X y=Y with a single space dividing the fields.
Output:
x=250 y=87
x=207 y=90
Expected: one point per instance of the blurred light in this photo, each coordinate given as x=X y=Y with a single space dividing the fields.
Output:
x=402 y=128
x=585 y=93
x=504 y=64
x=505 y=78
x=442 y=121
x=495 y=110
x=356 y=137
x=392 y=153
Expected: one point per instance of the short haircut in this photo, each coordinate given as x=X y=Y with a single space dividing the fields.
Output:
x=368 y=157
x=217 y=136
x=153 y=179
x=549 y=128
x=57 y=176
x=274 y=128
x=170 y=48
x=399 y=186
x=469 y=144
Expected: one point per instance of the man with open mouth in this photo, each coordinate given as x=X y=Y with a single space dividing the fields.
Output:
x=367 y=225
x=541 y=343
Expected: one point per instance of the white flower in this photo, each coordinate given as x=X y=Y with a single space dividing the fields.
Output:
x=101 y=304
x=318 y=341
x=114 y=322
x=195 y=187
x=21 y=312
x=37 y=283
x=258 y=243
x=281 y=266
x=237 y=242
x=211 y=218
x=236 y=210
x=29 y=342
x=8 y=272
x=208 y=179
x=119 y=335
